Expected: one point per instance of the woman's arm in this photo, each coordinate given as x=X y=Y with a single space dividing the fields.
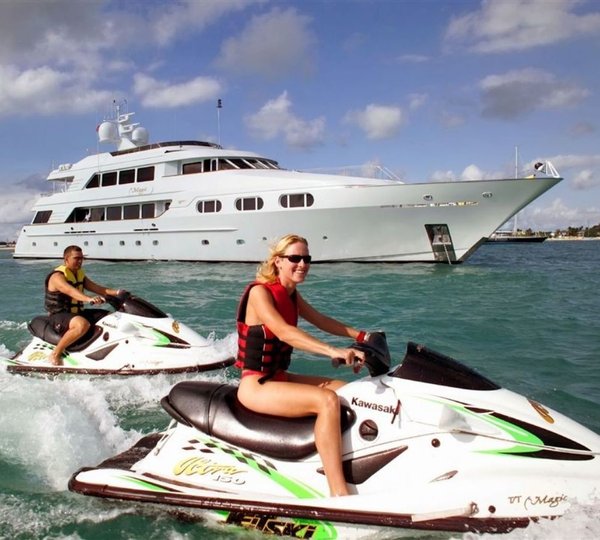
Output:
x=323 y=322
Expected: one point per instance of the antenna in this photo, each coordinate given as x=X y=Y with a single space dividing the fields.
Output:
x=219 y=107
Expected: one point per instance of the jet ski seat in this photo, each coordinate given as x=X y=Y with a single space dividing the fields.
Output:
x=214 y=409
x=40 y=327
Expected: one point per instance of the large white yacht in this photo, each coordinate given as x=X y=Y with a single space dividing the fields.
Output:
x=197 y=201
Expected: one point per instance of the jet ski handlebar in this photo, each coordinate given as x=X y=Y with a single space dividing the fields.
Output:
x=377 y=354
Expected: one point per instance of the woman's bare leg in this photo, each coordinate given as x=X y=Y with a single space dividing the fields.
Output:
x=295 y=399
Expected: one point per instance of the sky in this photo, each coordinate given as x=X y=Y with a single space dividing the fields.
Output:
x=430 y=89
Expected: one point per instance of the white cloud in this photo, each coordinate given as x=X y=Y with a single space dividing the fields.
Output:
x=469 y=173
x=15 y=211
x=501 y=25
x=46 y=91
x=586 y=179
x=416 y=101
x=155 y=93
x=518 y=92
x=179 y=17
x=451 y=120
x=558 y=215
x=378 y=121
x=276 y=118
x=413 y=58
x=581 y=172
x=271 y=44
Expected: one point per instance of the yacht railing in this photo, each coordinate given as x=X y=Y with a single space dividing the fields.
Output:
x=369 y=170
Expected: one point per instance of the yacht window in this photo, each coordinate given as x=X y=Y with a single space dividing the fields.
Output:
x=131 y=211
x=225 y=164
x=145 y=174
x=209 y=207
x=192 y=168
x=296 y=200
x=78 y=215
x=42 y=217
x=97 y=214
x=239 y=163
x=127 y=177
x=249 y=203
x=94 y=182
x=113 y=213
x=109 y=179
x=148 y=211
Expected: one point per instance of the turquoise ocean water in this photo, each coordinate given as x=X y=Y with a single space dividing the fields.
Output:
x=526 y=316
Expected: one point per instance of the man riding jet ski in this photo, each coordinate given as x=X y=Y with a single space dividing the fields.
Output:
x=429 y=444
x=136 y=339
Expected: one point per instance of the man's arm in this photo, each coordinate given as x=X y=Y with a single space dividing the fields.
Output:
x=98 y=289
x=58 y=282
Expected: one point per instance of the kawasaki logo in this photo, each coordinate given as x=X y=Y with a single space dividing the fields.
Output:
x=373 y=406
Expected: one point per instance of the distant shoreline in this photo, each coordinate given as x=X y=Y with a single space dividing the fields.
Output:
x=572 y=239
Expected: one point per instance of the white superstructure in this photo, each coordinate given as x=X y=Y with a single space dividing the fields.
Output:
x=195 y=201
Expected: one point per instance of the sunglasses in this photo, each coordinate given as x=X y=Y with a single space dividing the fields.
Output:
x=297 y=258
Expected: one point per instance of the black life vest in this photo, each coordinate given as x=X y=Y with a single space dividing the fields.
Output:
x=57 y=302
x=259 y=349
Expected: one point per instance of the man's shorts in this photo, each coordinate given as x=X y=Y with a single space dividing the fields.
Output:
x=60 y=321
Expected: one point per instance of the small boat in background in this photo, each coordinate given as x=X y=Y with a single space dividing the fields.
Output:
x=507 y=236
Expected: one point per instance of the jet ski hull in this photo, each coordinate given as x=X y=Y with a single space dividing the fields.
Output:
x=431 y=445
x=136 y=339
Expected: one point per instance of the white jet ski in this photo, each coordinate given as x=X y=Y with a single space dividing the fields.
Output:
x=136 y=339
x=429 y=445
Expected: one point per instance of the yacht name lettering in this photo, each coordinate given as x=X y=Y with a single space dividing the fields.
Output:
x=373 y=406
x=204 y=466
x=137 y=190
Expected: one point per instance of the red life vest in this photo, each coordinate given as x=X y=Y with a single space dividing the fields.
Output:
x=259 y=349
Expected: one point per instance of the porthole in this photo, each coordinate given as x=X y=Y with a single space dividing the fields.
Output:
x=487 y=194
x=121 y=242
x=100 y=243
x=86 y=243
x=155 y=242
x=138 y=243
x=428 y=197
x=240 y=242
x=55 y=244
x=205 y=242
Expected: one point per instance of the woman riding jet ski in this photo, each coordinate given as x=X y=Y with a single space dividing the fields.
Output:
x=429 y=444
x=136 y=339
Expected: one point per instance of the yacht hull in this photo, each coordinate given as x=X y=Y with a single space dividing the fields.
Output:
x=383 y=222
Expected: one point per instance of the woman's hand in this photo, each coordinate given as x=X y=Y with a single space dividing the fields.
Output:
x=349 y=357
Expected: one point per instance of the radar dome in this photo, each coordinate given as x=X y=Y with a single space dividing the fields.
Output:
x=140 y=136
x=107 y=133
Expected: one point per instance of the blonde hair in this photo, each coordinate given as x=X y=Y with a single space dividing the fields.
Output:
x=267 y=272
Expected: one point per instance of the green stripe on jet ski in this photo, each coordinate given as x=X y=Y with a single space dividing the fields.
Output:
x=147 y=485
x=295 y=487
x=531 y=442
x=526 y=442
x=161 y=339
